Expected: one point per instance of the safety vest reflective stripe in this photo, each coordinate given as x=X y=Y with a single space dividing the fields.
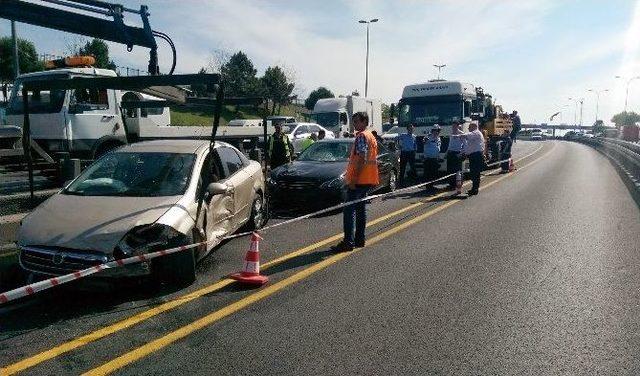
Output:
x=369 y=172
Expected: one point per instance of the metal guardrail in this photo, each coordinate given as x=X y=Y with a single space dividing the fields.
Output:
x=625 y=154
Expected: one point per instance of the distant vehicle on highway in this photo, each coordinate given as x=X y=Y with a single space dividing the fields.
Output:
x=297 y=132
x=316 y=177
x=141 y=198
x=536 y=134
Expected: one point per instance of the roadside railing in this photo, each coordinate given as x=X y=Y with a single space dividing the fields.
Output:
x=625 y=154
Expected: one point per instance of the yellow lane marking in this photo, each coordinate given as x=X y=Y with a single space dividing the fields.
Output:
x=177 y=302
x=213 y=317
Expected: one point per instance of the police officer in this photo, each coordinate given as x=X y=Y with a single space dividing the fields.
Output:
x=280 y=148
x=474 y=150
x=308 y=141
x=361 y=175
x=454 y=151
x=407 y=143
x=432 y=144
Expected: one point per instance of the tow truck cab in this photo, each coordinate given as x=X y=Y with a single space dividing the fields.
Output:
x=82 y=122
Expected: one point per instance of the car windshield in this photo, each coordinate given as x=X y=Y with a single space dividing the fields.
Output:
x=40 y=102
x=327 y=119
x=135 y=175
x=326 y=152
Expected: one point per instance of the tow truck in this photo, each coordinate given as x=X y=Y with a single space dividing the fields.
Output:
x=86 y=123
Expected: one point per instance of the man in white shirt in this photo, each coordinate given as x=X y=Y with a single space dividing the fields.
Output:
x=454 y=151
x=474 y=150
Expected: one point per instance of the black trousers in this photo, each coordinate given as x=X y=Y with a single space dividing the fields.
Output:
x=454 y=164
x=410 y=158
x=505 y=165
x=431 y=167
x=476 y=164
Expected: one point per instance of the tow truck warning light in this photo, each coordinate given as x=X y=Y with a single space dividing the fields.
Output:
x=70 y=61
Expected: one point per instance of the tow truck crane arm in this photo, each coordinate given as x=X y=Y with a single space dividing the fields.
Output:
x=114 y=30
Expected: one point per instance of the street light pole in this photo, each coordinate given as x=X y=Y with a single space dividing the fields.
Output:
x=597 y=93
x=626 y=97
x=366 y=64
x=439 y=68
x=575 y=111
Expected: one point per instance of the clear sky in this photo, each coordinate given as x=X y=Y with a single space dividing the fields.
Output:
x=532 y=55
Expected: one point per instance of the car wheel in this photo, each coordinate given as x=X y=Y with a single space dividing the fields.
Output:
x=392 y=184
x=258 y=213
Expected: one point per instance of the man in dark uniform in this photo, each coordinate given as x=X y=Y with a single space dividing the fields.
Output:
x=280 y=148
x=517 y=125
x=505 y=152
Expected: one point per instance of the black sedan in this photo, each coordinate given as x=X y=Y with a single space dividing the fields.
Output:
x=316 y=178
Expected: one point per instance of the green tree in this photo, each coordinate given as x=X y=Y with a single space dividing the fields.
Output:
x=239 y=76
x=27 y=56
x=319 y=93
x=200 y=90
x=277 y=87
x=625 y=118
x=100 y=51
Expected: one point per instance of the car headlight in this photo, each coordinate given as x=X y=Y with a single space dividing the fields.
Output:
x=334 y=183
x=149 y=238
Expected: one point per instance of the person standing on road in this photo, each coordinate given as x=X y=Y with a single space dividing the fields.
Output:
x=474 y=150
x=505 y=152
x=408 y=147
x=454 y=151
x=280 y=148
x=432 y=144
x=517 y=125
x=361 y=175
x=308 y=141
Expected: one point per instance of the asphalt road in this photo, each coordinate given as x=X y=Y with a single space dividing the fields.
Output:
x=536 y=275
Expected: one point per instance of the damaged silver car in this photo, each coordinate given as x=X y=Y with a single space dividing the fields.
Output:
x=142 y=198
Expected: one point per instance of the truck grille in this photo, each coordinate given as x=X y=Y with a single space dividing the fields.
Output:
x=58 y=261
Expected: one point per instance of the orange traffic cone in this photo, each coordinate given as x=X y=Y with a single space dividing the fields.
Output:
x=458 y=183
x=250 y=273
x=512 y=167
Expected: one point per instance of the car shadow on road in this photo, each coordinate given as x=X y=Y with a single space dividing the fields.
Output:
x=78 y=299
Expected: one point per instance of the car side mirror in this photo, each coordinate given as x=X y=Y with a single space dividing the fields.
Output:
x=215 y=189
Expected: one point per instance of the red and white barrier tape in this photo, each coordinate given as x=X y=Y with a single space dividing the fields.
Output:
x=46 y=284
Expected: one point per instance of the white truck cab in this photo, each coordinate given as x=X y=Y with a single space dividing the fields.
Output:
x=335 y=114
x=85 y=122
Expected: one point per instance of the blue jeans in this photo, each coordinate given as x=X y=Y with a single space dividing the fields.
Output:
x=355 y=213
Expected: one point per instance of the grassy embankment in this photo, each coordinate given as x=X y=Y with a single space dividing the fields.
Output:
x=181 y=115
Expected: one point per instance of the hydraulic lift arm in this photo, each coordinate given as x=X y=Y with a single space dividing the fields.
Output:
x=61 y=19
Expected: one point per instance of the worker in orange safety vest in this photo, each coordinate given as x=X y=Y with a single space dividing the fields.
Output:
x=361 y=176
